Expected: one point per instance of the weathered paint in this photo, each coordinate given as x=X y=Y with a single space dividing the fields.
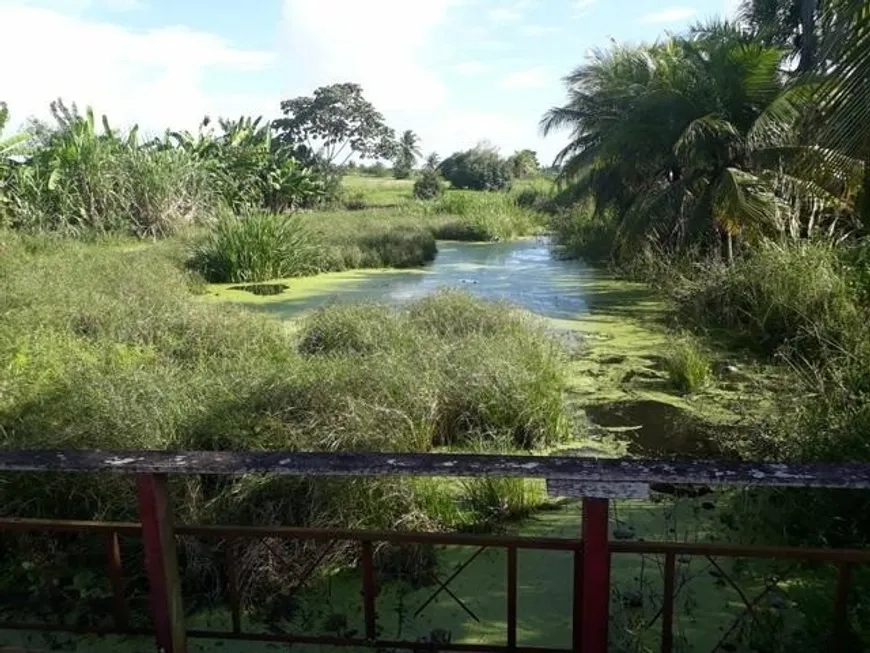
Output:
x=568 y=468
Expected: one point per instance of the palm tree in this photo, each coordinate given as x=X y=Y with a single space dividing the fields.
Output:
x=785 y=23
x=683 y=141
x=432 y=161
x=407 y=151
x=842 y=102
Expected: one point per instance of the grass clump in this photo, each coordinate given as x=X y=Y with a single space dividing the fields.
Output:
x=688 y=367
x=255 y=247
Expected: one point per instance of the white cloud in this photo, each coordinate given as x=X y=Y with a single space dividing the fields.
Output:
x=470 y=68
x=668 y=15
x=154 y=77
x=537 y=77
x=383 y=45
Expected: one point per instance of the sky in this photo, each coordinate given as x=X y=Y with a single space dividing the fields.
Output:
x=455 y=71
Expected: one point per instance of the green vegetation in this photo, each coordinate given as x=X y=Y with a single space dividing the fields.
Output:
x=407 y=151
x=687 y=366
x=255 y=247
x=709 y=165
x=480 y=168
x=125 y=358
x=429 y=185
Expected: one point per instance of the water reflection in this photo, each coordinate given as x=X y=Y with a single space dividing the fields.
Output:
x=521 y=272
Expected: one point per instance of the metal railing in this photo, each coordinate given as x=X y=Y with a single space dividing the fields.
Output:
x=595 y=480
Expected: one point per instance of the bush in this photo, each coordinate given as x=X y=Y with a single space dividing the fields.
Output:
x=687 y=366
x=429 y=186
x=255 y=247
x=477 y=169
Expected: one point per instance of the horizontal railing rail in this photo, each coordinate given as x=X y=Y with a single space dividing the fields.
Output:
x=595 y=480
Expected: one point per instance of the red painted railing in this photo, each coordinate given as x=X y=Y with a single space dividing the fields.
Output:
x=595 y=480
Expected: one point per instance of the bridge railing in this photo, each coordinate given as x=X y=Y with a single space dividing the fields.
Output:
x=596 y=481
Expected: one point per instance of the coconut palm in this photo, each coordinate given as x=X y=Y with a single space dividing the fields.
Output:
x=842 y=102
x=684 y=141
x=407 y=151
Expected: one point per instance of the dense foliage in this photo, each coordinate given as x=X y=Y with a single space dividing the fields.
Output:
x=480 y=168
x=335 y=123
x=429 y=185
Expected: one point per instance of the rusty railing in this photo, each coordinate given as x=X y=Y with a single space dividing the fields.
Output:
x=595 y=480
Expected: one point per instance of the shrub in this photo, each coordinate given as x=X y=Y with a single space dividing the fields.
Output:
x=255 y=247
x=687 y=365
x=477 y=169
x=429 y=186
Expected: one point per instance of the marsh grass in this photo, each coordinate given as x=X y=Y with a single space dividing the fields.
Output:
x=485 y=216
x=255 y=247
x=687 y=365
x=105 y=347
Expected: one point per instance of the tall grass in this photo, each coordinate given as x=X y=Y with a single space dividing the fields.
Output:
x=797 y=295
x=484 y=216
x=105 y=347
x=255 y=247
x=101 y=186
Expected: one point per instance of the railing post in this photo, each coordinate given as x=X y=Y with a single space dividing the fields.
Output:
x=595 y=577
x=161 y=562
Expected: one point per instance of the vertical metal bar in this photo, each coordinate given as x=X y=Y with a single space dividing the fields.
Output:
x=668 y=603
x=161 y=563
x=368 y=570
x=511 y=596
x=233 y=585
x=577 y=607
x=116 y=577
x=595 y=594
x=841 y=607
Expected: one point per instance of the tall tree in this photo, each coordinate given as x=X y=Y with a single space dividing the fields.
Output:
x=334 y=124
x=407 y=151
x=432 y=161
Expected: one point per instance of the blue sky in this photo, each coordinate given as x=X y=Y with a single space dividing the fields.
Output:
x=455 y=71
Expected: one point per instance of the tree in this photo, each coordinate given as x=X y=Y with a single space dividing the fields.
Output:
x=432 y=161
x=480 y=168
x=407 y=151
x=524 y=163
x=335 y=123
x=785 y=23
x=687 y=142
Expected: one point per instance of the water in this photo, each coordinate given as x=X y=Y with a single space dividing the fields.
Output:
x=522 y=272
